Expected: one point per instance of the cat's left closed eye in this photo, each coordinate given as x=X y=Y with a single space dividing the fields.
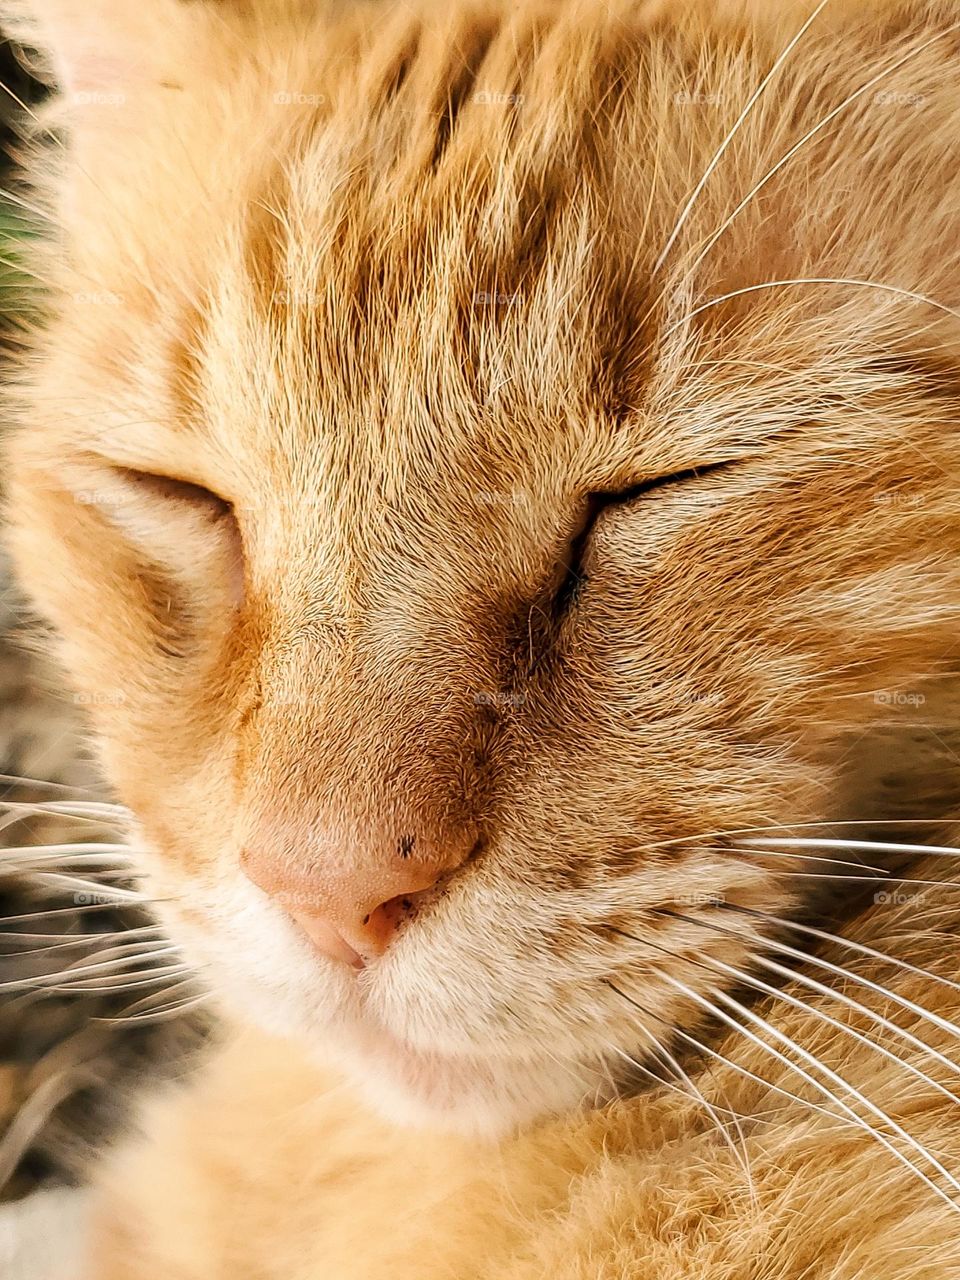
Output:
x=602 y=500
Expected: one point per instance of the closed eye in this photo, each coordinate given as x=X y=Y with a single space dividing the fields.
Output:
x=184 y=529
x=171 y=489
x=597 y=503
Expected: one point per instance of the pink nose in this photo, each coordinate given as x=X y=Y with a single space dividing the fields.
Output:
x=351 y=902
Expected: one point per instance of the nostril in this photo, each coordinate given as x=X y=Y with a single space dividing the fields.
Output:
x=384 y=921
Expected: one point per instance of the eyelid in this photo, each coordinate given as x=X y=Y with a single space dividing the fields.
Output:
x=599 y=501
x=623 y=496
x=174 y=489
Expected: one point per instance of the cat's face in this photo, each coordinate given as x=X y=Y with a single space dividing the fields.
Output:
x=387 y=295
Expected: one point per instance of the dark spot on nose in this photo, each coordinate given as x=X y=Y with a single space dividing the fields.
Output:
x=406 y=846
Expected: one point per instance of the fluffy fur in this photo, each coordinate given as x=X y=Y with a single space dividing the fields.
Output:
x=387 y=294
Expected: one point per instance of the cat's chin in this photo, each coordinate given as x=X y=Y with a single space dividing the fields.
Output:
x=479 y=1095
x=486 y=1097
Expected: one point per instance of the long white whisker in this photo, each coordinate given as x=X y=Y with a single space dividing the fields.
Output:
x=19 y=780
x=908 y=294
x=162 y=1012
x=805 y=980
x=859 y=947
x=70 y=808
x=729 y=832
x=718 y=154
x=760 y=846
x=80 y=909
x=811 y=133
x=849 y=975
x=741 y=1156
x=12 y=198
x=881 y=877
x=821 y=988
x=55 y=879
x=74 y=940
x=803 y=842
x=741 y=1070
x=836 y=1080
x=82 y=969
x=115 y=983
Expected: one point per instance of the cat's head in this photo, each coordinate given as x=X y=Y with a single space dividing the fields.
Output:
x=479 y=463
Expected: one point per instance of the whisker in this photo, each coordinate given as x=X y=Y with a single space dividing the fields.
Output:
x=150 y=1001
x=742 y=1156
x=96 y=986
x=73 y=940
x=909 y=294
x=5 y=88
x=161 y=1014
x=55 y=879
x=728 y=832
x=837 y=1080
x=760 y=846
x=851 y=975
x=21 y=270
x=12 y=198
x=882 y=877
x=811 y=133
x=117 y=967
x=18 y=780
x=700 y=1046
x=732 y=133
x=85 y=908
x=792 y=842
x=782 y=971
x=888 y=1025
x=69 y=808
x=860 y=947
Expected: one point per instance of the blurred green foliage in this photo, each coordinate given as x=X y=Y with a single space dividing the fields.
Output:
x=16 y=293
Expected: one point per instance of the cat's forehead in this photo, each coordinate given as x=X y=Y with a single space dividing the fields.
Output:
x=408 y=257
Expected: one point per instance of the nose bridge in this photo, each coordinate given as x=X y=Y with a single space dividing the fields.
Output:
x=388 y=704
x=361 y=785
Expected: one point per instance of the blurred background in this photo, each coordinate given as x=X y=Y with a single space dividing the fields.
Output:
x=89 y=1010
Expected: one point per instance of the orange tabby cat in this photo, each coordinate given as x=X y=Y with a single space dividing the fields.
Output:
x=491 y=469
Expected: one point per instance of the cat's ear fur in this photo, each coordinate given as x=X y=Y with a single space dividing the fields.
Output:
x=98 y=52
